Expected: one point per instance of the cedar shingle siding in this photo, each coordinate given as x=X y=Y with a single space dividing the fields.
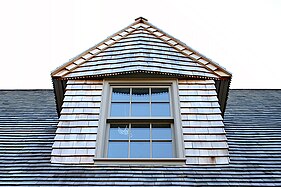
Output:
x=78 y=124
x=28 y=123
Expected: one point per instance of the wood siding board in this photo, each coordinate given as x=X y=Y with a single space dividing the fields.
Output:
x=202 y=124
x=78 y=123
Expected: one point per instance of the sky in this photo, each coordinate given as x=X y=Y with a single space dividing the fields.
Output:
x=243 y=36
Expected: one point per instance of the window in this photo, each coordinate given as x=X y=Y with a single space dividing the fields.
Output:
x=140 y=102
x=140 y=120
x=140 y=141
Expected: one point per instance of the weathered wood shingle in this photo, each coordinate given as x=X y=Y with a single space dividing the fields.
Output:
x=140 y=41
x=141 y=51
x=203 y=129
x=76 y=134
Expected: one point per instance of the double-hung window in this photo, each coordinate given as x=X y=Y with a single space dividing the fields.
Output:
x=141 y=133
x=139 y=121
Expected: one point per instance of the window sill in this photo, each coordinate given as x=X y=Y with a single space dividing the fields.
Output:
x=140 y=161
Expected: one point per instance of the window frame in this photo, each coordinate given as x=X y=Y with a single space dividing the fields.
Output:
x=174 y=119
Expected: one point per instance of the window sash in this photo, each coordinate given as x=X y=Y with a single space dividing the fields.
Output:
x=150 y=140
x=130 y=102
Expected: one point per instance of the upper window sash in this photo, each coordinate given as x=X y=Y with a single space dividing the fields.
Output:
x=140 y=101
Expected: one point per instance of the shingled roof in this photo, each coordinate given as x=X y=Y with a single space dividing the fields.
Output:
x=141 y=48
x=28 y=122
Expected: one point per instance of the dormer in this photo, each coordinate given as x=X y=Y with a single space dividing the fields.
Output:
x=140 y=97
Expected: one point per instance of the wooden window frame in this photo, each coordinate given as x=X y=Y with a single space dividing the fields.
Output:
x=174 y=120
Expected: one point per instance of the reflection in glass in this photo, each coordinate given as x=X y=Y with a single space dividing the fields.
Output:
x=120 y=109
x=161 y=132
x=140 y=132
x=119 y=132
x=162 y=150
x=159 y=94
x=120 y=94
x=140 y=109
x=140 y=94
x=117 y=150
x=140 y=150
x=160 y=109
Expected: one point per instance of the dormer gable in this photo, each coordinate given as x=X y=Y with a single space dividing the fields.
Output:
x=141 y=48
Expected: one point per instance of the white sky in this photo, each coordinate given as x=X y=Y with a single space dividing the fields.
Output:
x=38 y=36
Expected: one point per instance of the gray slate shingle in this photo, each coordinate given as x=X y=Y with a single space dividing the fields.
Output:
x=28 y=123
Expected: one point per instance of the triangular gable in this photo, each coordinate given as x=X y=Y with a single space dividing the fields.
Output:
x=141 y=47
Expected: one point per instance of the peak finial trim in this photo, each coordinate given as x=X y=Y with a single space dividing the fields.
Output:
x=141 y=19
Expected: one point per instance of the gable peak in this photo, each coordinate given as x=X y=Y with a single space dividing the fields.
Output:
x=141 y=19
x=141 y=23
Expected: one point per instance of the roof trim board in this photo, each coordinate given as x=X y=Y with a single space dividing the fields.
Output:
x=68 y=67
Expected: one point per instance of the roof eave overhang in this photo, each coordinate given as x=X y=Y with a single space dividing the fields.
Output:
x=222 y=84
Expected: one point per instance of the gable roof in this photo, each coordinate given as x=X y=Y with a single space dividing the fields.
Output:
x=140 y=48
x=28 y=123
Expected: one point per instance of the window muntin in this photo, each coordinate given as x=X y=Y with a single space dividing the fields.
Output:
x=140 y=141
x=140 y=102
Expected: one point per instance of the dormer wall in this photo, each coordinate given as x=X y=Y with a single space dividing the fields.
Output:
x=199 y=85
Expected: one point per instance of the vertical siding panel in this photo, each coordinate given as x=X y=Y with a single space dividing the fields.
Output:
x=203 y=130
x=75 y=140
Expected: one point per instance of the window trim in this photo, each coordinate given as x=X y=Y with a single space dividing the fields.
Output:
x=175 y=115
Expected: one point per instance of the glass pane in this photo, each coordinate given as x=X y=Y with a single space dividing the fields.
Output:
x=120 y=109
x=120 y=94
x=160 y=94
x=140 y=132
x=161 y=132
x=140 y=94
x=119 y=132
x=140 y=150
x=117 y=150
x=140 y=109
x=160 y=109
x=162 y=150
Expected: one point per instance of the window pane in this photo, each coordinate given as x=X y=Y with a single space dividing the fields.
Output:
x=118 y=150
x=120 y=109
x=119 y=132
x=160 y=94
x=160 y=109
x=140 y=132
x=140 y=150
x=161 y=132
x=140 y=94
x=120 y=94
x=162 y=150
x=140 y=109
